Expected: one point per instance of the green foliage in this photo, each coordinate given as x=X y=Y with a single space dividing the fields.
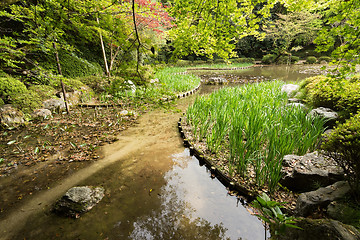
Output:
x=342 y=26
x=343 y=144
x=336 y=93
x=43 y=91
x=240 y=121
x=271 y=214
x=325 y=59
x=71 y=84
x=311 y=60
x=210 y=27
x=10 y=56
x=97 y=83
x=268 y=59
x=15 y=92
x=242 y=60
x=72 y=66
x=294 y=59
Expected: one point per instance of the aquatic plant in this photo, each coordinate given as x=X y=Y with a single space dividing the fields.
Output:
x=255 y=127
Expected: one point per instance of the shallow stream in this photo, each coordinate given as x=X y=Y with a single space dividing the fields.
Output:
x=154 y=189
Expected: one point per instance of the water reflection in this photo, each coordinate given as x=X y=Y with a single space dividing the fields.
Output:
x=196 y=207
x=292 y=73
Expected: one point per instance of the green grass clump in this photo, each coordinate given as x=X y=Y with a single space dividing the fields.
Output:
x=255 y=127
x=177 y=83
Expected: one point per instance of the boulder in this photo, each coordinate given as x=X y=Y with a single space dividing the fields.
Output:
x=306 y=173
x=78 y=200
x=290 y=89
x=10 y=116
x=318 y=229
x=41 y=114
x=343 y=212
x=297 y=105
x=328 y=114
x=54 y=104
x=310 y=201
x=216 y=81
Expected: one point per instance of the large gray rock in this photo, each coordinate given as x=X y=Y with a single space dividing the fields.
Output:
x=41 y=113
x=78 y=200
x=321 y=198
x=320 y=229
x=10 y=116
x=306 y=173
x=328 y=114
x=342 y=212
x=54 y=104
x=290 y=89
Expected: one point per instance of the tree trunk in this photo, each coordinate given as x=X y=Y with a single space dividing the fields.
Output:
x=61 y=81
x=104 y=53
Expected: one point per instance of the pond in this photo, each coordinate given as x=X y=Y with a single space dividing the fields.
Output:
x=154 y=188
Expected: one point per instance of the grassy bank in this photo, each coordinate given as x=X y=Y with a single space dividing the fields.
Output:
x=252 y=128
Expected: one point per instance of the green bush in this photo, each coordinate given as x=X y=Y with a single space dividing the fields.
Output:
x=13 y=91
x=268 y=59
x=183 y=63
x=243 y=60
x=321 y=91
x=283 y=59
x=311 y=60
x=71 y=84
x=343 y=145
x=72 y=66
x=339 y=94
x=325 y=58
x=97 y=83
x=43 y=91
x=294 y=59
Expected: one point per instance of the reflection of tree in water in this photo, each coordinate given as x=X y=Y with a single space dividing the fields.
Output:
x=174 y=222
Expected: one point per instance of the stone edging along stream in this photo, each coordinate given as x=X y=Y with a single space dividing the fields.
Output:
x=215 y=172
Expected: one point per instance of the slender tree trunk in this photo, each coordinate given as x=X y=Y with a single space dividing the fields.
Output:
x=104 y=53
x=61 y=81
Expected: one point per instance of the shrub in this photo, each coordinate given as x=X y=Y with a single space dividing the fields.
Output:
x=13 y=91
x=294 y=59
x=339 y=94
x=243 y=60
x=282 y=59
x=183 y=63
x=268 y=59
x=43 y=91
x=343 y=145
x=71 y=84
x=311 y=60
x=97 y=83
x=72 y=65
x=321 y=91
x=325 y=58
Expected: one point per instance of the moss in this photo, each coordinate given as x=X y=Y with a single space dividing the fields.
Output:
x=71 y=84
x=44 y=91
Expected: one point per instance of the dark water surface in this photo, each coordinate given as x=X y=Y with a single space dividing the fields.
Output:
x=157 y=190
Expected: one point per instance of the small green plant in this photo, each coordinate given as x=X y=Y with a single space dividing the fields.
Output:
x=311 y=60
x=271 y=214
x=324 y=59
